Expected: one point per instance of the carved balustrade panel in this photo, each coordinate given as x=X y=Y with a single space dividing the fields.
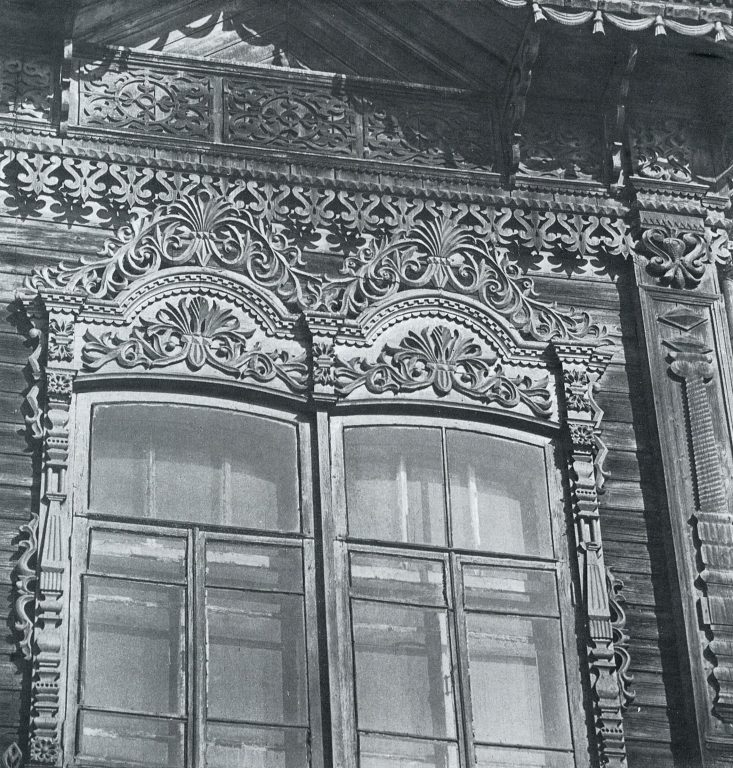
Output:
x=561 y=146
x=26 y=87
x=175 y=104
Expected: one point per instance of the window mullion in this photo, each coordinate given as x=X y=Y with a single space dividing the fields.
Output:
x=197 y=648
x=463 y=699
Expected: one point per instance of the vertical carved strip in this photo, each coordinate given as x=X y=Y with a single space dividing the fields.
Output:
x=584 y=417
x=691 y=360
x=47 y=681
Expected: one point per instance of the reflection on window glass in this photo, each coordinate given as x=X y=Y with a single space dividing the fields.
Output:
x=504 y=757
x=517 y=681
x=194 y=464
x=134 y=646
x=403 y=670
x=131 y=740
x=392 y=752
x=394 y=484
x=498 y=494
x=256 y=657
x=232 y=746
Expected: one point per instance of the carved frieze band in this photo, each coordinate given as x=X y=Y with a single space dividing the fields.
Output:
x=691 y=360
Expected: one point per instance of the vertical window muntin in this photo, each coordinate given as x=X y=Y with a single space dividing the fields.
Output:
x=197 y=538
x=550 y=559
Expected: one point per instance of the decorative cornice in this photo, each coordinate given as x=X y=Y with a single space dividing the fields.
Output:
x=442 y=360
x=216 y=231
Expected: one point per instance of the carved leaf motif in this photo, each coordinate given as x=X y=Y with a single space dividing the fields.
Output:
x=197 y=332
x=678 y=261
x=445 y=361
x=24 y=578
x=12 y=757
x=620 y=638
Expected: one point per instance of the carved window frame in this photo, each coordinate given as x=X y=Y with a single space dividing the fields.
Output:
x=84 y=520
x=434 y=315
x=343 y=698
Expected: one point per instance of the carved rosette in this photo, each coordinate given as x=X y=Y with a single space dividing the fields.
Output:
x=690 y=359
x=677 y=260
x=585 y=455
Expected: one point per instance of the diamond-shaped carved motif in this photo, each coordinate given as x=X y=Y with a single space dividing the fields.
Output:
x=684 y=319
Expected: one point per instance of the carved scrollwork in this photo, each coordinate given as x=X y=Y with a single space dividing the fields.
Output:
x=442 y=255
x=214 y=231
x=620 y=638
x=678 y=261
x=24 y=579
x=663 y=152
x=197 y=332
x=444 y=361
x=202 y=230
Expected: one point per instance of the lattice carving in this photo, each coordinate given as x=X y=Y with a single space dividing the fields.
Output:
x=566 y=149
x=444 y=361
x=322 y=217
x=448 y=133
x=663 y=152
x=26 y=88
x=142 y=99
x=288 y=116
x=197 y=332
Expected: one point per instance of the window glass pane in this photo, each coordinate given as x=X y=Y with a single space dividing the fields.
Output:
x=510 y=590
x=231 y=564
x=132 y=740
x=498 y=493
x=237 y=746
x=394 y=484
x=134 y=646
x=256 y=657
x=194 y=464
x=384 y=752
x=517 y=681
x=502 y=757
x=403 y=670
x=117 y=553
x=399 y=579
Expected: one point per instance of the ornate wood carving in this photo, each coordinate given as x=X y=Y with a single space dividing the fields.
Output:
x=691 y=361
x=197 y=332
x=620 y=638
x=443 y=360
x=677 y=260
x=584 y=418
x=204 y=286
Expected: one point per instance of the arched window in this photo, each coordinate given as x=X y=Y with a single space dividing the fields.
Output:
x=290 y=520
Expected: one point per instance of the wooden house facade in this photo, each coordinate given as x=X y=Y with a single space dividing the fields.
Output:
x=366 y=395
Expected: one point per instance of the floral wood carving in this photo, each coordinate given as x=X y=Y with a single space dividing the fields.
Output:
x=215 y=232
x=197 y=332
x=445 y=361
x=620 y=638
x=677 y=261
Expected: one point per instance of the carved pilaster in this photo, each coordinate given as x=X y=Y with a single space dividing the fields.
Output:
x=691 y=361
x=584 y=447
